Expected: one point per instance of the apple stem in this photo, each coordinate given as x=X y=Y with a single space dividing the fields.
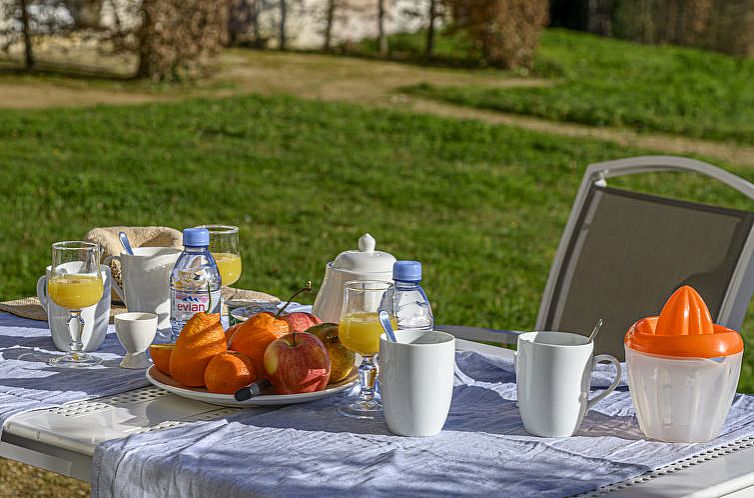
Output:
x=307 y=288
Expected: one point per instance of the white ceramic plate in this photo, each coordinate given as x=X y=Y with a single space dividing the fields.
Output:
x=159 y=379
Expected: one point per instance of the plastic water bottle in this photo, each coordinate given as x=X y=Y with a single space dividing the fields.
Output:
x=194 y=282
x=407 y=300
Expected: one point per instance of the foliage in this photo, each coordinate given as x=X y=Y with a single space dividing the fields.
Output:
x=179 y=38
x=723 y=25
x=606 y=82
x=505 y=31
x=482 y=206
x=173 y=39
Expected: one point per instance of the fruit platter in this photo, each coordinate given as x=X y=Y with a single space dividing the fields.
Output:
x=274 y=358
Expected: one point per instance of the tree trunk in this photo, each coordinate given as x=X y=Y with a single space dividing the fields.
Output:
x=330 y=17
x=429 y=49
x=283 y=15
x=381 y=36
x=255 y=25
x=28 y=53
x=144 y=70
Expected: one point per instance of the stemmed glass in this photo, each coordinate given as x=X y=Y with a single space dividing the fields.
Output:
x=75 y=283
x=223 y=244
x=359 y=331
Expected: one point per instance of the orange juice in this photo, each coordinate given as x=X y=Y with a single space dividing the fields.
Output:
x=229 y=266
x=75 y=292
x=360 y=332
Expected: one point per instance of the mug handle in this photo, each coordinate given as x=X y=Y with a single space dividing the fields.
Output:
x=612 y=359
x=42 y=291
x=113 y=284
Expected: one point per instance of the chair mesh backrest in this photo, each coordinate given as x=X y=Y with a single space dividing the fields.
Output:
x=630 y=251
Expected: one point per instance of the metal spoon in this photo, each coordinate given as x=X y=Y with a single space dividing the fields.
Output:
x=595 y=331
x=387 y=326
x=124 y=241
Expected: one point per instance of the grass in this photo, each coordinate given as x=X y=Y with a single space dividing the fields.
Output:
x=608 y=82
x=482 y=206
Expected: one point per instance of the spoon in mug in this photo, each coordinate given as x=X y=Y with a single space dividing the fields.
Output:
x=387 y=326
x=126 y=244
x=595 y=331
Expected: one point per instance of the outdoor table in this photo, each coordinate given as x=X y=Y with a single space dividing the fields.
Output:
x=63 y=438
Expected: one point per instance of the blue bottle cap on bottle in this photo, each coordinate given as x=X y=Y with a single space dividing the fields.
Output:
x=407 y=271
x=196 y=237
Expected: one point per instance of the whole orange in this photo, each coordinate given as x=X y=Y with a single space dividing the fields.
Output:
x=201 y=338
x=229 y=371
x=230 y=331
x=161 y=354
x=255 y=334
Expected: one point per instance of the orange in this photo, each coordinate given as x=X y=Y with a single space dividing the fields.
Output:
x=231 y=330
x=229 y=371
x=255 y=334
x=161 y=354
x=201 y=338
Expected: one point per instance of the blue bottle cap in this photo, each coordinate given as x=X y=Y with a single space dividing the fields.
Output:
x=407 y=271
x=196 y=237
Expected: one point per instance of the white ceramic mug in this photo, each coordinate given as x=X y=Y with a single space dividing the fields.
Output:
x=553 y=376
x=145 y=276
x=416 y=380
x=96 y=317
x=135 y=332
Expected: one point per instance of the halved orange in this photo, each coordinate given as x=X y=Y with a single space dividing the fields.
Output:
x=160 y=354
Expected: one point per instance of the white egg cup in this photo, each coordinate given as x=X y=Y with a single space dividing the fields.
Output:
x=136 y=332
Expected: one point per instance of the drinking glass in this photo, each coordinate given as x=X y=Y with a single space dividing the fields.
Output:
x=223 y=244
x=75 y=283
x=359 y=331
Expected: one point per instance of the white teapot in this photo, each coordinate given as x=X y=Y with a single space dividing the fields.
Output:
x=364 y=264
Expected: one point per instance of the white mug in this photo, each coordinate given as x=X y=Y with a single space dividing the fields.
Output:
x=145 y=276
x=135 y=332
x=416 y=380
x=96 y=317
x=553 y=376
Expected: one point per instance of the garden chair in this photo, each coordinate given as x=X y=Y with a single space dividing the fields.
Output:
x=623 y=253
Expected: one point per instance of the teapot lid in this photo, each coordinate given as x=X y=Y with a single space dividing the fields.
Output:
x=683 y=329
x=366 y=259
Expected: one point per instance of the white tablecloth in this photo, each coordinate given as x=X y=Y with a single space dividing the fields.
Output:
x=309 y=450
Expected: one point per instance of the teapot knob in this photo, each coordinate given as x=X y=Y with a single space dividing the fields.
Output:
x=366 y=243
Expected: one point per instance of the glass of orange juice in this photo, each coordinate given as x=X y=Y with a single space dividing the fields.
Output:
x=223 y=244
x=75 y=283
x=359 y=330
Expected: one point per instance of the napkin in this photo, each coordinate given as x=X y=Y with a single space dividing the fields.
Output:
x=107 y=237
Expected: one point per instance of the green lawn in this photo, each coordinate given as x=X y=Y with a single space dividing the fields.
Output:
x=608 y=82
x=482 y=206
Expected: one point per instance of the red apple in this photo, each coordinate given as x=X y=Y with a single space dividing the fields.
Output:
x=298 y=321
x=297 y=363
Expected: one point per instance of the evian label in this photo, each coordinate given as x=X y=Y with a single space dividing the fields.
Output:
x=185 y=304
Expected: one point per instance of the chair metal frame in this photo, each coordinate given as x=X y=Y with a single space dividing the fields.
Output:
x=741 y=285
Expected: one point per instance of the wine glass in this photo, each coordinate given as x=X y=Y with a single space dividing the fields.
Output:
x=75 y=283
x=359 y=330
x=223 y=244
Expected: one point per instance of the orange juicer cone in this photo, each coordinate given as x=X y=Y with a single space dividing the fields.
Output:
x=685 y=313
x=683 y=329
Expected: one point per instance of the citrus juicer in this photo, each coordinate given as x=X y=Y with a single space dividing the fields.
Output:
x=682 y=370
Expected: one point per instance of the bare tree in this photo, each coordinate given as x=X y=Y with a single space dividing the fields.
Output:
x=28 y=53
x=430 y=46
x=281 y=33
x=381 y=35
x=329 y=21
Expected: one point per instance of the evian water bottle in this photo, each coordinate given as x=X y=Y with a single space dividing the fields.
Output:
x=194 y=281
